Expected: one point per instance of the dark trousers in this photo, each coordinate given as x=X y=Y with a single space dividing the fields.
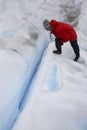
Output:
x=58 y=45
x=74 y=45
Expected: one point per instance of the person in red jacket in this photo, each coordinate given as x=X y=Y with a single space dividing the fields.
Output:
x=63 y=33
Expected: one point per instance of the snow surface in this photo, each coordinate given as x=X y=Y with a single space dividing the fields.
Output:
x=59 y=94
x=40 y=90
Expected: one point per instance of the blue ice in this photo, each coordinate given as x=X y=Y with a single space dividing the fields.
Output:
x=8 y=34
x=83 y=124
x=53 y=84
x=13 y=108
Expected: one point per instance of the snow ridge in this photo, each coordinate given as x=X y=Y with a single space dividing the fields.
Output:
x=28 y=85
x=28 y=88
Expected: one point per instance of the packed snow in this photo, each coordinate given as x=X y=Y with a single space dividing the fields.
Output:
x=41 y=90
x=59 y=94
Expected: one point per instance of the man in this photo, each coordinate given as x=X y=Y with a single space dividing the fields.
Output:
x=63 y=33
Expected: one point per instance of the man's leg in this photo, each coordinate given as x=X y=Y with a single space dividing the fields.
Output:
x=58 y=46
x=75 y=47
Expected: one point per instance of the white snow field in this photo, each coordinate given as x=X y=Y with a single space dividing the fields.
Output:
x=59 y=94
x=41 y=90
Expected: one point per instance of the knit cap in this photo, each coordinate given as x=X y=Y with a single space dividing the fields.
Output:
x=46 y=24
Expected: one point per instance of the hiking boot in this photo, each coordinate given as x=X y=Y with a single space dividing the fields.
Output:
x=57 y=52
x=76 y=59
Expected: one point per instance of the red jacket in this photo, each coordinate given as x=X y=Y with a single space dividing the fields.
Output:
x=63 y=31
